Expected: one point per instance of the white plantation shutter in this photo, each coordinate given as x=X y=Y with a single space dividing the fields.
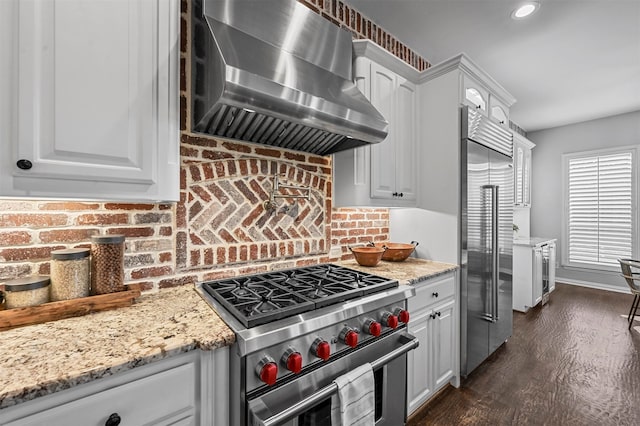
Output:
x=600 y=209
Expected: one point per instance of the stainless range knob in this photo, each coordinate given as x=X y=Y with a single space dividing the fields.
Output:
x=292 y=359
x=349 y=336
x=267 y=370
x=372 y=327
x=321 y=349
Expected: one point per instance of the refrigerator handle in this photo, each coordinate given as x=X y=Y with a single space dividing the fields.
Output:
x=495 y=251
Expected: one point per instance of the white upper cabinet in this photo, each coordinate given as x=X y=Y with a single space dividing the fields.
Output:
x=393 y=160
x=474 y=95
x=499 y=111
x=522 y=170
x=383 y=96
x=95 y=102
x=477 y=96
x=382 y=174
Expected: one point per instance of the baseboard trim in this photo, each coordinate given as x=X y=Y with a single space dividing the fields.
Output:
x=596 y=286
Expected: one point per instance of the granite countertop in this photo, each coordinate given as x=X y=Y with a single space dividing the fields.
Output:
x=410 y=271
x=41 y=359
x=531 y=241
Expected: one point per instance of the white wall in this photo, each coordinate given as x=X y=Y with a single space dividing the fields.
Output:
x=546 y=187
x=436 y=233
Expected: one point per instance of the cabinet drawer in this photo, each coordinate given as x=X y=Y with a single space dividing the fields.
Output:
x=432 y=291
x=165 y=398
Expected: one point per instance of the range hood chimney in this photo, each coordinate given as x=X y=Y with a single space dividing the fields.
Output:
x=274 y=72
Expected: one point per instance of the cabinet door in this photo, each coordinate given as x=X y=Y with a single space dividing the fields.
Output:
x=536 y=295
x=526 y=178
x=405 y=140
x=383 y=154
x=443 y=335
x=518 y=174
x=166 y=398
x=474 y=95
x=97 y=99
x=499 y=111
x=418 y=360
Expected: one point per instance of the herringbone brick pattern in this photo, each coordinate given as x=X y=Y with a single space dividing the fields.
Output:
x=227 y=222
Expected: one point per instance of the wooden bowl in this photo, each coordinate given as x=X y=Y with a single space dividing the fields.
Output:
x=367 y=256
x=396 y=252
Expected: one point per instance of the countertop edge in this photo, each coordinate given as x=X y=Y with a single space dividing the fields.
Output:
x=419 y=279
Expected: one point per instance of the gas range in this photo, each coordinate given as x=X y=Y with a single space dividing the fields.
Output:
x=296 y=329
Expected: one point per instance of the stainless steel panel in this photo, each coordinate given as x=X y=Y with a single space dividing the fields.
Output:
x=277 y=59
x=476 y=257
x=281 y=399
x=481 y=129
x=501 y=176
x=392 y=403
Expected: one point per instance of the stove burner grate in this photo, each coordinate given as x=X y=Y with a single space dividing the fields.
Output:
x=261 y=298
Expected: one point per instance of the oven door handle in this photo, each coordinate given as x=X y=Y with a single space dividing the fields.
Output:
x=408 y=341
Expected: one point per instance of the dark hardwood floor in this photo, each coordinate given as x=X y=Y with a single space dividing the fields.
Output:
x=571 y=362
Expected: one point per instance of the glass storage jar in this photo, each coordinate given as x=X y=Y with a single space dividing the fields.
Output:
x=69 y=273
x=107 y=263
x=28 y=291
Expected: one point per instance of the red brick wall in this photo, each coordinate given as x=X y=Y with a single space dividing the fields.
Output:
x=219 y=227
x=363 y=28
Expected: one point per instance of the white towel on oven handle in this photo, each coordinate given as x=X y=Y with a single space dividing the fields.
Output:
x=354 y=402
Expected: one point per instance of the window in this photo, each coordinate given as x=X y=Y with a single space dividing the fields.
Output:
x=600 y=222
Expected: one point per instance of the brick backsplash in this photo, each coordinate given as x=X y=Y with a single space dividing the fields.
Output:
x=363 y=28
x=219 y=227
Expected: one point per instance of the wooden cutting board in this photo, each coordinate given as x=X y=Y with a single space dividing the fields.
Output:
x=52 y=311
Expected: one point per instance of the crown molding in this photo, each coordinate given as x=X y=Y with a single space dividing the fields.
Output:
x=465 y=64
x=523 y=140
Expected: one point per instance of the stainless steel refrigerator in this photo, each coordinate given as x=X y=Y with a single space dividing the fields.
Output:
x=486 y=238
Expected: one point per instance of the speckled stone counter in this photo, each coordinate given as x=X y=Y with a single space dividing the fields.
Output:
x=532 y=241
x=41 y=359
x=410 y=271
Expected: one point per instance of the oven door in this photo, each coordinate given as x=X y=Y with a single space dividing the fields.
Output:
x=306 y=400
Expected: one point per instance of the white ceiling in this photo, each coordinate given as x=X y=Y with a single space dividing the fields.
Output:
x=571 y=61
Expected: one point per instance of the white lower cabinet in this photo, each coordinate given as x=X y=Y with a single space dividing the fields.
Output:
x=166 y=392
x=533 y=270
x=434 y=322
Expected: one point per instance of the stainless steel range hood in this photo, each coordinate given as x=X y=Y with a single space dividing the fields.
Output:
x=276 y=73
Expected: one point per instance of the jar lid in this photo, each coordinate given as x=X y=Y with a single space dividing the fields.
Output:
x=107 y=239
x=70 y=254
x=27 y=283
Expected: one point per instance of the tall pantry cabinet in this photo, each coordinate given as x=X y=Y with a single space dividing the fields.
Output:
x=89 y=105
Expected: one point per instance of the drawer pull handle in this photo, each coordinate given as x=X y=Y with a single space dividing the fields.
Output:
x=24 y=164
x=113 y=420
x=435 y=294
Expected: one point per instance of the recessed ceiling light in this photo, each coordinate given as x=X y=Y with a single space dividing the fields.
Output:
x=525 y=9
